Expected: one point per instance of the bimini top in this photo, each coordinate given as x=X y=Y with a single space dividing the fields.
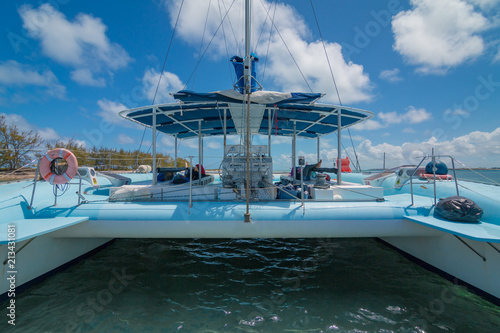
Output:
x=224 y=111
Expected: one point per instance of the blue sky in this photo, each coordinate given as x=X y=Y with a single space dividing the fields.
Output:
x=428 y=70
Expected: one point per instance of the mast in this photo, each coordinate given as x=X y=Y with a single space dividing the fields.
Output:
x=248 y=90
x=339 y=148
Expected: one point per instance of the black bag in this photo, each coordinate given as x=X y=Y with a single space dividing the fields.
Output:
x=458 y=209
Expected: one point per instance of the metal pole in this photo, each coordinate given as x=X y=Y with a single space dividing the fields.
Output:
x=154 y=147
x=55 y=195
x=248 y=91
x=175 y=152
x=317 y=153
x=269 y=123
x=302 y=184
x=190 y=183
x=79 y=189
x=434 y=173
x=454 y=173
x=225 y=130
x=339 y=148
x=34 y=184
x=384 y=161
x=294 y=142
x=200 y=143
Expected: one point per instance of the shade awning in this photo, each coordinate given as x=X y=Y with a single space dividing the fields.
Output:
x=273 y=112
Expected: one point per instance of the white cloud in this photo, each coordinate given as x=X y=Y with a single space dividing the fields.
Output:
x=368 y=125
x=190 y=143
x=409 y=130
x=124 y=139
x=412 y=116
x=85 y=77
x=81 y=43
x=282 y=73
x=212 y=143
x=391 y=75
x=24 y=126
x=167 y=140
x=438 y=34
x=169 y=83
x=486 y=5
x=474 y=149
x=109 y=111
x=13 y=73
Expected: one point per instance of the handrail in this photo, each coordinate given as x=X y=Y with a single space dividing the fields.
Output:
x=433 y=157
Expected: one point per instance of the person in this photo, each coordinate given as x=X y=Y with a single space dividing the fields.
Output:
x=308 y=169
x=196 y=174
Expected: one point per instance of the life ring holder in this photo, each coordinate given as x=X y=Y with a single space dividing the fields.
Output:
x=55 y=175
x=430 y=176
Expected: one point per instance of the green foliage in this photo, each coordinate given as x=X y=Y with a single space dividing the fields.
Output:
x=16 y=147
x=103 y=158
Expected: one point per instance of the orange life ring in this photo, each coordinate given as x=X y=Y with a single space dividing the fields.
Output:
x=430 y=176
x=46 y=166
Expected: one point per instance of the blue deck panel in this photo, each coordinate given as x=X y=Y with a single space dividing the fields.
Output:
x=483 y=232
x=29 y=228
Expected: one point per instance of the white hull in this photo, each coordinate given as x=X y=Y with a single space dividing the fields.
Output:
x=41 y=256
x=450 y=255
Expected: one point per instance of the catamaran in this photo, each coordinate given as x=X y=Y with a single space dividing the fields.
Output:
x=47 y=224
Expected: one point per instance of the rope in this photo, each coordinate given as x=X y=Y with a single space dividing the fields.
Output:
x=24 y=166
x=491 y=180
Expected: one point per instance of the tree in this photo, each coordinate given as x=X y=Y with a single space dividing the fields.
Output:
x=73 y=146
x=17 y=147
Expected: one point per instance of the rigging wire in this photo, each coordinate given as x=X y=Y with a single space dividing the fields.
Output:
x=289 y=52
x=208 y=45
x=268 y=44
x=231 y=73
x=203 y=35
x=161 y=74
x=334 y=81
x=261 y=31
x=231 y=26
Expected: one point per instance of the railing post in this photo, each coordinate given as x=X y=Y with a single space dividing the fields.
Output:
x=190 y=183
x=34 y=185
x=454 y=173
x=302 y=194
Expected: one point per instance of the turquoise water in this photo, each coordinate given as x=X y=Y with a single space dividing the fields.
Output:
x=263 y=285
x=483 y=176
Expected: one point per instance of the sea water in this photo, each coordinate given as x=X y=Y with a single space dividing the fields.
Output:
x=243 y=285
x=250 y=285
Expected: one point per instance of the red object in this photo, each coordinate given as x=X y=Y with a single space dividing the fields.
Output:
x=344 y=164
x=201 y=170
x=45 y=166
x=430 y=176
